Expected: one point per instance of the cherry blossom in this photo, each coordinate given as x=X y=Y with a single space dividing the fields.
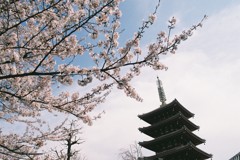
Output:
x=43 y=46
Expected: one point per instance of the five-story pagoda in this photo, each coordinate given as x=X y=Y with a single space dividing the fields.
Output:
x=171 y=131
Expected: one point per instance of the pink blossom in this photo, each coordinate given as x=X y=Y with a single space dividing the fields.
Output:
x=94 y=35
x=75 y=96
x=152 y=18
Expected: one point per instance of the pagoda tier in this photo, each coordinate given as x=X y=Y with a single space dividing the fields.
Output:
x=184 y=152
x=169 y=125
x=172 y=134
x=172 y=140
x=165 y=112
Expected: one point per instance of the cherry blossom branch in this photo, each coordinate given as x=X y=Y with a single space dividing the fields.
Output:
x=139 y=35
x=43 y=43
x=85 y=21
x=31 y=16
x=15 y=150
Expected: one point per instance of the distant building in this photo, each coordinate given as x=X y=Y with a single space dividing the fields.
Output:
x=236 y=157
x=171 y=132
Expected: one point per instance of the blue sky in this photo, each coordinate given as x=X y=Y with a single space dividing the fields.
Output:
x=188 y=13
x=203 y=75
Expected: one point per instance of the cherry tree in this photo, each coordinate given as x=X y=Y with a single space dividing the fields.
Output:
x=134 y=152
x=70 y=141
x=43 y=46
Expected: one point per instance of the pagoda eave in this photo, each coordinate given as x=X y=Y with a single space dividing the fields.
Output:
x=155 y=144
x=193 y=150
x=178 y=118
x=175 y=105
x=188 y=151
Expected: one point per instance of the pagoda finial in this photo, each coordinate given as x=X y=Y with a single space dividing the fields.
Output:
x=161 y=93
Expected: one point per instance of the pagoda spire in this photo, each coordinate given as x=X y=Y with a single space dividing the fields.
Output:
x=161 y=92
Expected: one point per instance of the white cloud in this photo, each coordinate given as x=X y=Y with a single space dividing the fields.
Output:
x=204 y=76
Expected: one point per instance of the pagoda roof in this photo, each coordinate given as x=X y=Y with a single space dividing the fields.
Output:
x=151 y=130
x=184 y=131
x=189 y=149
x=150 y=117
